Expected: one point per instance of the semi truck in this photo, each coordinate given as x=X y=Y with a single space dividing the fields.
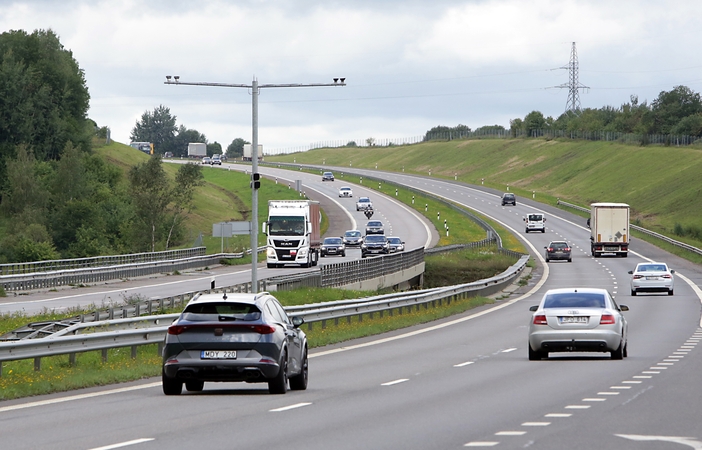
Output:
x=293 y=233
x=609 y=229
x=197 y=150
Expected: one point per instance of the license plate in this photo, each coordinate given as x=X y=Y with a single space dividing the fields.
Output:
x=611 y=249
x=651 y=278
x=573 y=319
x=218 y=354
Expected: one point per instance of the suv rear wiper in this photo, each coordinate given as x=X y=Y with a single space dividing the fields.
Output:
x=223 y=318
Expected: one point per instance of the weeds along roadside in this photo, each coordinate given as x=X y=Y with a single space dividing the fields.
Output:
x=19 y=379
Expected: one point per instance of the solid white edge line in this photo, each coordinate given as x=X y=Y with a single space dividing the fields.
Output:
x=78 y=397
x=123 y=444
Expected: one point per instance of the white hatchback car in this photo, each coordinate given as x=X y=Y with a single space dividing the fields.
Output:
x=652 y=277
x=345 y=191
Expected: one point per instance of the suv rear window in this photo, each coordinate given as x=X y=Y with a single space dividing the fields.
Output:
x=221 y=311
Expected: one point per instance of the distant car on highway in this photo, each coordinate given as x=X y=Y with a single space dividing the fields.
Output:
x=333 y=246
x=535 y=222
x=216 y=159
x=375 y=244
x=558 y=250
x=345 y=191
x=577 y=320
x=327 y=176
x=396 y=244
x=375 y=227
x=205 y=160
x=363 y=204
x=652 y=277
x=352 y=237
x=234 y=337
x=509 y=199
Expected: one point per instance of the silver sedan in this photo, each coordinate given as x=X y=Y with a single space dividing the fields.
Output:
x=577 y=320
x=652 y=277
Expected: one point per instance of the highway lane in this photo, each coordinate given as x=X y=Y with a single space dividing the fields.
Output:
x=462 y=381
x=398 y=218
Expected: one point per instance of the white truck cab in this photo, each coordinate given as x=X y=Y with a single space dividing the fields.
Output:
x=535 y=222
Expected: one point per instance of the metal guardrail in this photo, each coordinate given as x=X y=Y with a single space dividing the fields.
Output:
x=71 y=277
x=97 y=261
x=134 y=332
x=662 y=237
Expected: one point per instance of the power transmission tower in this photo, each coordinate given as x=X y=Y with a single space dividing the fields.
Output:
x=573 y=85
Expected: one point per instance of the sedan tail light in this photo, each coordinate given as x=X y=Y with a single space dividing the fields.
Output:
x=638 y=277
x=540 y=320
x=607 y=319
x=667 y=276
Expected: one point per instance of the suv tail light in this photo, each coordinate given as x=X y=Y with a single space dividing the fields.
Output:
x=540 y=320
x=259 y=328
x=607 y=319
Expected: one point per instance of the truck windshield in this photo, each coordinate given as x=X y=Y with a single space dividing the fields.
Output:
x=286 y=226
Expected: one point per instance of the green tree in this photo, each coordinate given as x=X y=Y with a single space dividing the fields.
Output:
x=184 y=137
x=43 y=96
x=673 y=106
x=157 y=127
x=214 y=148
x=534 y=121
x=236 y=148
x=189 y=177
x=150 y=192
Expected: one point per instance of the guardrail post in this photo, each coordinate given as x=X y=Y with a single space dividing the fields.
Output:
x=37 y=364
x=134 y=351
x=159 y=348
x=0 y=369
x=71 y=359
x=104 y=355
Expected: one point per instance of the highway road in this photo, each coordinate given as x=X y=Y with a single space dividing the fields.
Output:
x=398 y=219
x=460 y=382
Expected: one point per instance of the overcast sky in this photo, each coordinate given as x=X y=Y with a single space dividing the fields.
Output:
x=409 y=65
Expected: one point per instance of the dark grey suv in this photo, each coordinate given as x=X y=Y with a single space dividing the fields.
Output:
x=235 y=337
x=509 y=199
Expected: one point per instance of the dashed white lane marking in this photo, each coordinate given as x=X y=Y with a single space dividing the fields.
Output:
x=608 y=393
x=288 y=408
x=558 y=415
x=390 y=383
x=481 y=444
x=577 y=407
x=124 y=444
x=665 y=364
x=642 y=376
x=508 y=350
x=536 y=424
x=620 y=387
x=595 y=399
x=658 y=368
x=467 y=363
x=651 y=371
x=631 y=382
x=510 y=433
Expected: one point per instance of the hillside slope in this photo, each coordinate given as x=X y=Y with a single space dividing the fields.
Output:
x=662 y=184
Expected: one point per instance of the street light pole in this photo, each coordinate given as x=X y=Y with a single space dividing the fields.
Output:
x=255 y=87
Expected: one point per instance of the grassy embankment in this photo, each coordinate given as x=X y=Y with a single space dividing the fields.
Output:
x=662 y=184
x=19 y=378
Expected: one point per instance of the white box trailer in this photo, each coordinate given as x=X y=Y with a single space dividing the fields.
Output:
x=197 y=150
x=247 y=152
x=609 y=229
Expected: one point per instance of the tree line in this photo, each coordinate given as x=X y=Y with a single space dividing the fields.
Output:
x=675 y=112
x=58 y=199
x=159 y=127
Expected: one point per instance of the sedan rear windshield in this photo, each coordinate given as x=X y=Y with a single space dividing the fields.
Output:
x=652 y=268
x=332 y=241
x=221 y=311
x=574 y=300
x=352 y=233
x=375 y=239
